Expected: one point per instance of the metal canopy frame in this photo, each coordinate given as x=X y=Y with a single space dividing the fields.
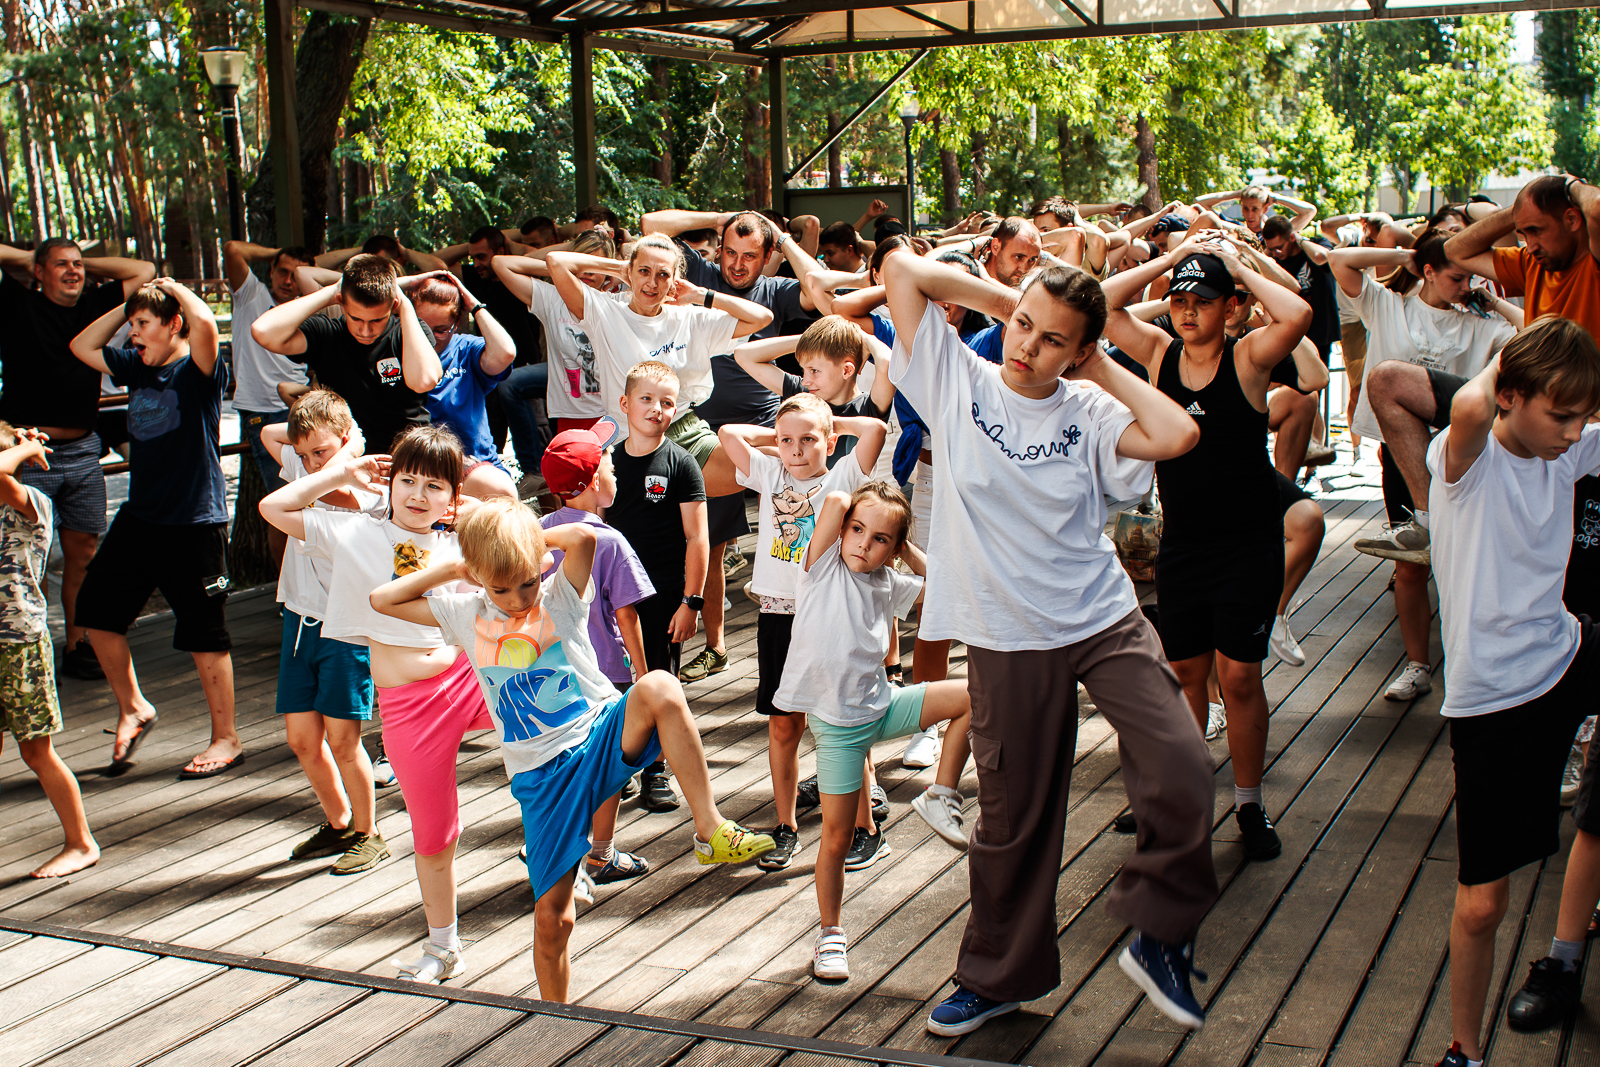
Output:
x=765 y=33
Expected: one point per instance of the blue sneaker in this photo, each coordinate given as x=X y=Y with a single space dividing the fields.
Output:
x=1162 y=970
x=964 y=1011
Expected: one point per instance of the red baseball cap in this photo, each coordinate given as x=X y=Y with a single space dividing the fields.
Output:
x=572 y=458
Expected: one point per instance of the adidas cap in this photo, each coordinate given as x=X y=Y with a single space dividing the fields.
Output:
x=1203 y=275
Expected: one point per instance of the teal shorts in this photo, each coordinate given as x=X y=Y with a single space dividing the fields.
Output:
x=842 y=750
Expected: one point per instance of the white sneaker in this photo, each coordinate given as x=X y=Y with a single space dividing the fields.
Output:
x=1283 y=644
x=750 y=593
x=583 y=886
x=828 y=959
x=1216 y=721
x=436 y=965
x=1414 y=681
x=1404 y=541
x=942 y=812
x=382 y=773
x=1571 y=778
x=922 y=749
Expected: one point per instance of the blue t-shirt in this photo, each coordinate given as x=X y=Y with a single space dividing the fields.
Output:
x=986 y=342
x=989 y=343
x=458 y=399
x=174 y=419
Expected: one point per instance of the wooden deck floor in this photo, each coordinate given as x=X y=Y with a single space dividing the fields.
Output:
x=1334 y=953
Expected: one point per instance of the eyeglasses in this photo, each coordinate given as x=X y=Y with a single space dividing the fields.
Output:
x=442 y=332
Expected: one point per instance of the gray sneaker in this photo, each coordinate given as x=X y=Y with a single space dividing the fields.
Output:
x=1406 y=542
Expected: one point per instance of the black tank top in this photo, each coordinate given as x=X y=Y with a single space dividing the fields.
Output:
x=1224 y=486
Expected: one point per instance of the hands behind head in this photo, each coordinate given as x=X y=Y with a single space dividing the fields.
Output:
x=1086 y=366
x=368 y=472
x=33 y=441
x=685 y=292
x=876 y=208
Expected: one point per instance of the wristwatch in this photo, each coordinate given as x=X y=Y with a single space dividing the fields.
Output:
x=696 y=603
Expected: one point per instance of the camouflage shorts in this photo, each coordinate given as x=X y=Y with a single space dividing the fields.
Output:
x=28 y=700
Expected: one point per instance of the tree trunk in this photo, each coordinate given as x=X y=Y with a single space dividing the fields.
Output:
x=250 y=559
x=5 y=190
x=757 y=166
x=835 y=164
x=325 y=61
x=980 y=149
x=661 y=94
x=950 y=178
x=1144 y=139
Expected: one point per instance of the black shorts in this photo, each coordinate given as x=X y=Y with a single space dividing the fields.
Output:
x=1289 y=494
x=137 y=557
x=1586 y=810
x=1219 y=597
x=773 y=631
x=661 y=653
x=726 y=519
x=1508 y=772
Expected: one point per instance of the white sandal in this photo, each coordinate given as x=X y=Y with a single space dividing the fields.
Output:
x=436 y=965
x=828 y=959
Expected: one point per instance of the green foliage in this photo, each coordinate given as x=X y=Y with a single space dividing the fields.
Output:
x=1476 y=114
x=1318 y=156
x=1569 y=56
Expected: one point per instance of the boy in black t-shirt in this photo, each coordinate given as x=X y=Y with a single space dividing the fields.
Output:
x=653 y=474
x=377 y=355
x=172 y=531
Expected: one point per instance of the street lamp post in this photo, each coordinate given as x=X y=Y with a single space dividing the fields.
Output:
x=910 y=111
x=225 y=69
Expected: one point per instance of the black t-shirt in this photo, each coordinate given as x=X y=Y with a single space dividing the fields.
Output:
x=45 y=384
x=1317 y=289
x=508 y=311
x=1581 y=593
x=369 y=377
x=861 y=405
x=735 y=396
x=646 y=511
x=174 y=414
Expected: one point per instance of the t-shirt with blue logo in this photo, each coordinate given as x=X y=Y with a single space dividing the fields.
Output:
x=539 y=676
x=174 y=420
x=458 y=400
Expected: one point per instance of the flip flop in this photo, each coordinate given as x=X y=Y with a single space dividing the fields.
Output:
x=186 y=775
x=120 y=766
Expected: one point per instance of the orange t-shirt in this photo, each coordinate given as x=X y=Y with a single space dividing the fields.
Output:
x=1573 y=293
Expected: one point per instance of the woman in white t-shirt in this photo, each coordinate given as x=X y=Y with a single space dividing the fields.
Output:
x=1449 y=331
x=572 y=394
x=668 y=319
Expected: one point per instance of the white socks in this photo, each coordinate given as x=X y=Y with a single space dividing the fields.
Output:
x=445 y=937
x=602 y=852
x=944 y=791
x=1243 y=796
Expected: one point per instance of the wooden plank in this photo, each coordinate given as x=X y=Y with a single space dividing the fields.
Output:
x=352 y=1033
x=443 y=1038
x=644 y=1048
x=26 y=957
x=65 y=981
x=538 y=1041
x=300 y=1008
x=109 y=1003
x=1272 y=1055
x=148 y=1033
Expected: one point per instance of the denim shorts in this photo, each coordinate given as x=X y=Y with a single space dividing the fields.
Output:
x=250 y=426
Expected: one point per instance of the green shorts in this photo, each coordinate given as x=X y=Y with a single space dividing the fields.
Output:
x=842 y=750
x=694 y=436
x=28 y=698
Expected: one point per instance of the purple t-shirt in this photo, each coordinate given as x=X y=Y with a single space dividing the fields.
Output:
x=620 y=581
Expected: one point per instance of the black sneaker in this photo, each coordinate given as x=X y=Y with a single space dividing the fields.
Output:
x=1125 y=823
x=1545 y=998
x=880 y=804
x=1260 y=839
x=656 y=793
x=866 y=850
x=630 y=788
x=79 y=662
x=788 y=841
x=1454 y=1058
x=807 y=795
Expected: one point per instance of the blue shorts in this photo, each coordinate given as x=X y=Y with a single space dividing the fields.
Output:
x=559 y=799
x=250 y=424
x=842 y=750
x=316 y=673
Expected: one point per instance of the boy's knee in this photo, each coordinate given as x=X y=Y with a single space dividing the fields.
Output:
x=1479 y=909
x=36 y=752
x=553 y=921
x=657 y=688
x=1410 y=574
x=785 y=729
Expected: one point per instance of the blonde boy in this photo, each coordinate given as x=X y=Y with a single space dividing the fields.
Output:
x=569 y=739
x=805 y=433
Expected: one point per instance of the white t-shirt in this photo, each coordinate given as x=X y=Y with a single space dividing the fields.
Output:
x=789 y=515
x=1501 y=538
x=257 y=372
x=684 y=338
x=366 y=551
x=574 y=388
x=1405 y=328
x=305 y=578
x=841 y=634
x=540 y=679
x=1018 y=558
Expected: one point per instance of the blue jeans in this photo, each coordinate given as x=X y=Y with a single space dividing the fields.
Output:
x=517 y=394
x=250 y=424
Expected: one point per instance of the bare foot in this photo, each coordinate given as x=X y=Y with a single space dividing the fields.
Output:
x=69 y=861
x=217 y=754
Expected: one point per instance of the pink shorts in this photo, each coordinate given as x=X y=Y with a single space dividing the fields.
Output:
x=423 y=724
